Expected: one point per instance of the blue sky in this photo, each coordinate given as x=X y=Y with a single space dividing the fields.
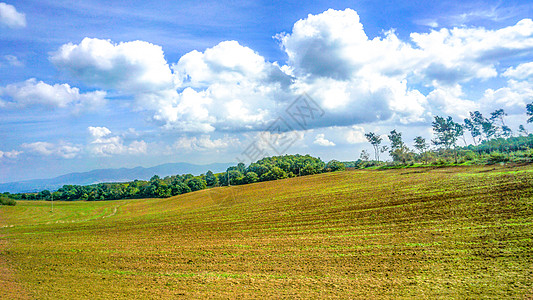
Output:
x=107 y=84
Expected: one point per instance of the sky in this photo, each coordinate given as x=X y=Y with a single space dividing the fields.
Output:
x=108 y=84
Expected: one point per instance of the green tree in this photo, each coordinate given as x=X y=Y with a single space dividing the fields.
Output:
x=474 y=124
x=421 y=146
x=375 y=140
x=398 y=151
x=251 y=177
x=210 y=179
x=196 y=184
x=274 y=174
x=365 y=156
x=522 y=130
x=529 y=112
x=335 y=165
x=447 y=132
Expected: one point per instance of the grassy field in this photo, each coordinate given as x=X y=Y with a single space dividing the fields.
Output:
x=406 y=233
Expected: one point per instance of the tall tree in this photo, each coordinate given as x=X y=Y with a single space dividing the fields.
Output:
x=398 y=151
x=474 y=124
x=522 y=130
x=375 y=140
x=395 y=140
x=529 y=112
x=447 y=132
x=503 y=130
x=421 y=146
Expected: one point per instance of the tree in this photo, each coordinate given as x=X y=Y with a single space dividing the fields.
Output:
x=251 y=177
x=489 y=129
x=335 y=165
x=529 y=112
x=274 y=174
x=211 y=179
x=365 y=156
x=398 y=151
x=375 y=140
x=196 y=184
x=395 y=140
x=421 y=146
x=522 y=130
x=477 y=125
x=504 y=130
x=447 y=132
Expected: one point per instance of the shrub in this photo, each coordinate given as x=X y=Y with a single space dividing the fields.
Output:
x=497 y=157
x=7 y=201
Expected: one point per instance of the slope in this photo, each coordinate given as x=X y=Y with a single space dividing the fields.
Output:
x=451 y=232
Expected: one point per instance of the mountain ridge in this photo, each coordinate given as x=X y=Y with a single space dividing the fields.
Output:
x=110 y=175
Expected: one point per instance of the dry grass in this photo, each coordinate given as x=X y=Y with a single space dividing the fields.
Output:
x=424 y=233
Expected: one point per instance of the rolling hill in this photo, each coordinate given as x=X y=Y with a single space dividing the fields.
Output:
x=110 y=175
x=462 y=232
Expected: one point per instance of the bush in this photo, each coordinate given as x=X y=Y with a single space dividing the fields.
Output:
x=7 y=201
x=335 y=165
x=497 y=157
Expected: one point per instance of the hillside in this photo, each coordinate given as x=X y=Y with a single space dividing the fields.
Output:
x=458 y=232
x=109 y=175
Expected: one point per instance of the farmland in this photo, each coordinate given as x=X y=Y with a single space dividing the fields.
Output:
x=423 y=232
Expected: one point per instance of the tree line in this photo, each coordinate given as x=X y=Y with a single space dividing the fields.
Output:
x=492 y=141
x=266 y=169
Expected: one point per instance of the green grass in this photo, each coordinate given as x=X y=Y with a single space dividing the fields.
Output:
x=461 y=232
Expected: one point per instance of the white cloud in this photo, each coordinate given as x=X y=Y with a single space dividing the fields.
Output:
x=354 y=79
x=104 y=143
x=450 y=56
x=512 y=98
x=321 y=140
x=204 y=143
x=13 y=61
x=356 y=135
x=61 y=149
x=522 y=71
x=227 y=87
x=10 y=154
x=10 y=17
x=37 y=93
x=450 y=101
x=131 y=67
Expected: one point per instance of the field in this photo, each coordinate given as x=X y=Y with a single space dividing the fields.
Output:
x=463 y=232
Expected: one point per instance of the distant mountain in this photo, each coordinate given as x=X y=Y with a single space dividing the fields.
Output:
x=110 y=175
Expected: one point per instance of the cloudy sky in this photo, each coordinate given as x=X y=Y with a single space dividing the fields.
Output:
x=107 y=84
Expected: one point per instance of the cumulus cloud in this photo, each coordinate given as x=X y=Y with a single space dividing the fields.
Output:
x=513 y=98
x=10 y=17
x=104 y=143
x=37 y=93
x=226 y=87
x=355 y=135
x=61 y=149
x=451 y=56
x=321 y=140
x=451 y=101
x=10 y=154
x=522 y=71
x=133 y=67
x=353 y=78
